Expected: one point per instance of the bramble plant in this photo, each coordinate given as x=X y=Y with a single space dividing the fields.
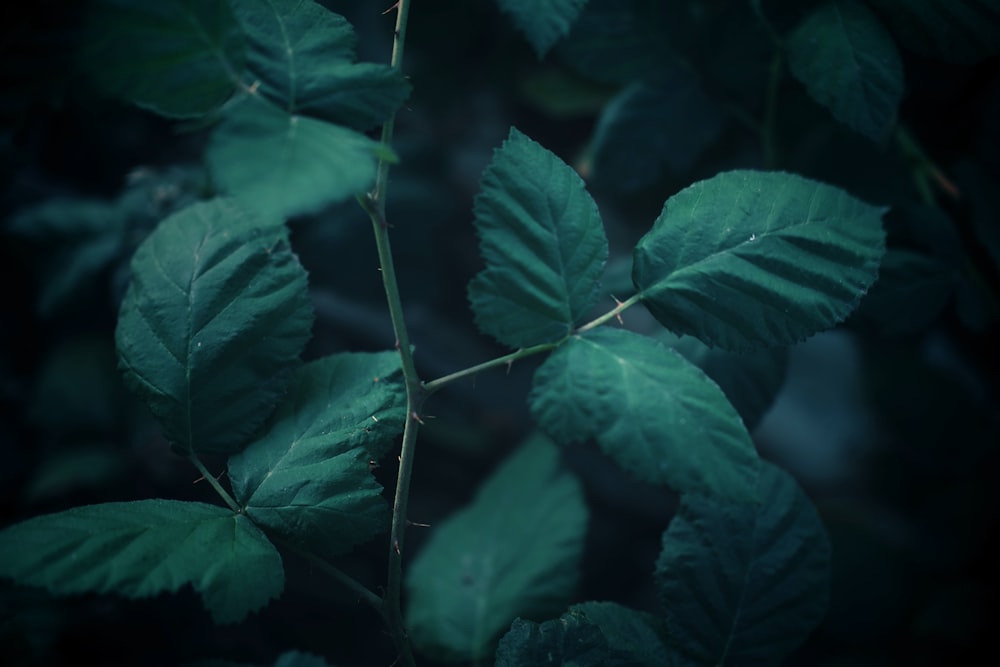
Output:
x=214 y=324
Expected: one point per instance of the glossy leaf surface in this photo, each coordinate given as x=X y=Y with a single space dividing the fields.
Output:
x=744 y=583
x=514 y=551
x=180 y=58
x=656 y=414
x=543 y=23
x=139 y=549
x=849 y=64
x=284 y=164
x=544 y=246
x=307 y=477
x=748 y=259
x=212 y=324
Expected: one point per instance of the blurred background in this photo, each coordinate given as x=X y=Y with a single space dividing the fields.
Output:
x=889 y=422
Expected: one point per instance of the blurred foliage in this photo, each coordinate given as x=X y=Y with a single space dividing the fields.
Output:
x=913 y=524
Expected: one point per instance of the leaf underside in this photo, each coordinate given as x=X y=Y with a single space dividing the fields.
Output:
x=749 y=259
x=139 y=549
x=543 y=23
x=543 y=244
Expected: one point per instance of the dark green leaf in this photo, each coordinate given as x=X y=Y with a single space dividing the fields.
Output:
x=543 y=243
x=652 y=411
x=652 y=124
x=602 y=634
x=515 y=551
x=284 y=164
x=543 y=23
x=618 y=41
x=301 y=58
x=139 y=549
x=744 y=583
x=963 y=31
x=911 y=292
x=307 y=478
x=180 y=58
x=752 y=258
x=750 y=380
x=212 y=325
x=849 y=64
x=77 y=239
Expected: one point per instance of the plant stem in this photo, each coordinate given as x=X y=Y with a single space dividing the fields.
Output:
x=375 y=206
x=210 y=478
x=505 y=360
x=611 y=314
x=347 y=580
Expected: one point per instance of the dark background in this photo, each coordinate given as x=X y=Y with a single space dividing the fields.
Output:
x=890 y=423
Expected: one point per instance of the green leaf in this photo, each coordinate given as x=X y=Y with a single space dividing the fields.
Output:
x=750 y=380
x=181 y=58
x=653 y=412
x=307 y=477
x=651 y=125
x=911 y=292
x=962 y=31
x=750 y=258
x=618 y=41
x=76 y=239
x=139 y=549
x=543 y=23
x=515 y=551
x=744 y=583
x=300 y=58
x=543 y=243
x=212 y=325
x=285 y=164
x=601 y=634
x=849 y=64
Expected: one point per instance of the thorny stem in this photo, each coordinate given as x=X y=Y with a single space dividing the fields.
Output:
x=524 y=352
x=210 y=478
x=374 y=204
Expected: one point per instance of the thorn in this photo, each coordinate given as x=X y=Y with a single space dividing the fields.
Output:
x=419 y=525
x=395 y=546
x=395 y=5
x=946 y=184
x=417 y=418
x=510 y=365
x=618 y=315
x=202 y=477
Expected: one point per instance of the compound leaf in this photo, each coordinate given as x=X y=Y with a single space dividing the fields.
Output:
x=962 y=32
x=651 y=125
x=543 y=23
x=849 y=64
x=138 y=549
x=657 y=415
x=307 y=477
x=181 y=58
x=301 y=58
x=750 y=258
x=285 y=164
x=743 y=583
x=515 y=551
x=543 y=243
x=212 y=324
